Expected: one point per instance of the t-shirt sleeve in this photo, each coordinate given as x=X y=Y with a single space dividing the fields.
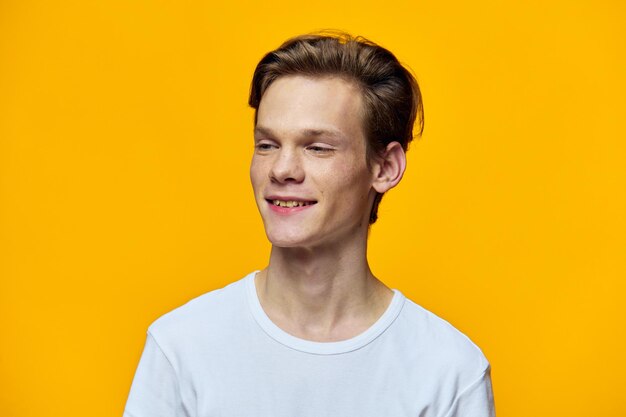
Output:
x=154 y=391
x=476 y=400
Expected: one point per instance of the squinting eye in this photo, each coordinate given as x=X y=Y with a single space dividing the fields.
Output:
x=264 y=146
x=320 y=149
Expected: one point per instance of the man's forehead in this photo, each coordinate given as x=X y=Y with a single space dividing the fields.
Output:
x=311 y=106
x=307 y=89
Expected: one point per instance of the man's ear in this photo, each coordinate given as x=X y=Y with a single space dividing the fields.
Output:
x=389 y=167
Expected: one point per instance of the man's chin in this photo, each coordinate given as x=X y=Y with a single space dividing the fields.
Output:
x=289 y=240
x=288 y=243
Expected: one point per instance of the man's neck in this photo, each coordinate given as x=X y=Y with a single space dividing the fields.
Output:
x=322 y=294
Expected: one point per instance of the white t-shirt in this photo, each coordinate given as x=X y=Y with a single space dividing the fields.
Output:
x=221 y=355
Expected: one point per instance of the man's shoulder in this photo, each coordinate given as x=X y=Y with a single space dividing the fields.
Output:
x=435 y=339
x=209 y=310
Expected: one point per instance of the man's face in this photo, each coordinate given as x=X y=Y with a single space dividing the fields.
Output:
x=309 y=172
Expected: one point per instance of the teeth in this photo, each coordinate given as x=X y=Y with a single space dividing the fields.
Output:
x=289 y=204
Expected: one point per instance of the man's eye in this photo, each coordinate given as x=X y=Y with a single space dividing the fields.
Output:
x=264 y=146
x=320 y=149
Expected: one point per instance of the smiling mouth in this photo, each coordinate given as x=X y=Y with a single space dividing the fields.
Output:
x=291 y=203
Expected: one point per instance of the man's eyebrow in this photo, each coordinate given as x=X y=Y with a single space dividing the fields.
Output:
x=258 y=130
x=310 y=132
x=332 y=133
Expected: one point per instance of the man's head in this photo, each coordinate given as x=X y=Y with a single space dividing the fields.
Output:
x=391 y=99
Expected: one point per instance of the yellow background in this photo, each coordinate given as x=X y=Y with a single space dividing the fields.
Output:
x=125 y=141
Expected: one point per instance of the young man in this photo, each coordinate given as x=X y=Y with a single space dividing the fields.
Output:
x=315 y=333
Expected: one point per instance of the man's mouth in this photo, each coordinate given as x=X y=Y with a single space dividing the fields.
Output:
x=291 y=203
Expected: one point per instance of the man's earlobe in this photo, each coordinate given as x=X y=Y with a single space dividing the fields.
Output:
x=389 y=168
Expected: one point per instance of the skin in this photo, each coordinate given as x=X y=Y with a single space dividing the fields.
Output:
x=310 y=146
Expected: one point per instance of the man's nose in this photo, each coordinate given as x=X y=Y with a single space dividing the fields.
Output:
x=287 y=167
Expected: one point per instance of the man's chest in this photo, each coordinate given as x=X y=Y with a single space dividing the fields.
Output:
x=296 y=385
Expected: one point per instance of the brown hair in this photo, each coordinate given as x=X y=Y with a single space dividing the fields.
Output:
x=391 y=96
